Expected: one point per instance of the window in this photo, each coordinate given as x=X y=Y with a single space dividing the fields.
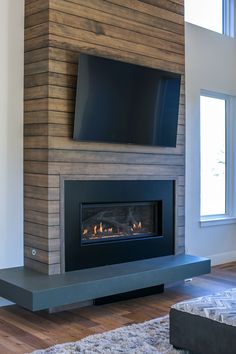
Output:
x=215 y=15
x=213 y=159
x=216 y=143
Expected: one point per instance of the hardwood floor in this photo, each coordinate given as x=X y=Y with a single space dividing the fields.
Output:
x=22 y=331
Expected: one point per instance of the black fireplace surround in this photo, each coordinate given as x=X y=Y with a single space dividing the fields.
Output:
x=109 y=222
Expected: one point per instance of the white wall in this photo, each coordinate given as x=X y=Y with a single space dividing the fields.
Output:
x=210 y=65
x=11 y=132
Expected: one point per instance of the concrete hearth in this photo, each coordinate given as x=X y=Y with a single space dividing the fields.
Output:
x=36 y=291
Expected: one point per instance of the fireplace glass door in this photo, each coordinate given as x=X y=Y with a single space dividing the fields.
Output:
x=113 y=221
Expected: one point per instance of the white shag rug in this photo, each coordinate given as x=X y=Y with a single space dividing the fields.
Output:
x=144 y=338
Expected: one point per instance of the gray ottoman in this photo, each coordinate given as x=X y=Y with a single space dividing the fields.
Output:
x=205 y=325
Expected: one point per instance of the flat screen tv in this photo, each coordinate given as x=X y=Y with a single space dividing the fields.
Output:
x=118 y=102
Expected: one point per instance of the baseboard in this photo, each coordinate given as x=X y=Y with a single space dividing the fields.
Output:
x=4 y=302
x=221 y=258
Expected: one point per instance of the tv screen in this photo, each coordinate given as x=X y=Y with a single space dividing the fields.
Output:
x=118 y=102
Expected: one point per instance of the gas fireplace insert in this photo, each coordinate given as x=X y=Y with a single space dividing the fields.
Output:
x=109 y=222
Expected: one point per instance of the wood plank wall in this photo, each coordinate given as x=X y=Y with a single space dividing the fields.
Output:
x=145 y=32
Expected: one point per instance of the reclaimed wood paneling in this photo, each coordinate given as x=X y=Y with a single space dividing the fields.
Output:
x=145 y=32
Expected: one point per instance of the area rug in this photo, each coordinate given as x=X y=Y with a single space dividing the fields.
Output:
x=144 y=338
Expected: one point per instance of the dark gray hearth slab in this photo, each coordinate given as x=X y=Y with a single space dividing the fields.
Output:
x=36 y=291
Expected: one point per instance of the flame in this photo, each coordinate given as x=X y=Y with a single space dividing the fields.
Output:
x=136 y=226
x=102 y=230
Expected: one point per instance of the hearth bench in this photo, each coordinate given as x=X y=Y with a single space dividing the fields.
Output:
x=37 y=291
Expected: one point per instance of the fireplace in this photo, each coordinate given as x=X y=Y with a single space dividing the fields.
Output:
x=109 y=222
x=53 y=243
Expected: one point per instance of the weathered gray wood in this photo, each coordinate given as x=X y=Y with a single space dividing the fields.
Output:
x=38 y=180
x=47 y=257
x=42 y=243
x=112 y=169
x=36 y=192
x=42 y=218
x=103 y=157
x=69 y=144
x=47 y=232
x=45 y=268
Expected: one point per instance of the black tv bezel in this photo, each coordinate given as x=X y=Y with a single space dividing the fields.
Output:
x=162 y=72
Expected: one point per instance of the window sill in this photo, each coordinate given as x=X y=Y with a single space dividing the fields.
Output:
x=217 y=221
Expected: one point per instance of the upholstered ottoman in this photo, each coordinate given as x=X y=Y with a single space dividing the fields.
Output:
x=205 y=325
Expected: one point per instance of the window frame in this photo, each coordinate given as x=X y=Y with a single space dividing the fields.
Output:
x=227 y=23
x=228 y=18
x=230 y=126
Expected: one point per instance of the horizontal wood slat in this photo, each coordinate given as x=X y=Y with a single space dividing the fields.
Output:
x=103 y=157
x=49 y=194
x=65 y=143
x=39 y=180
x=51 y=269
x=63 y=130
x=96 y=16
x=37 y=68
x=51 y=65
x=36 y=43
x=38 y=217
x=115 y=43
x=132 y=12
x=41 y=117
x=52 y=54
x=49 y=91
x=111 y=169
x=151 y=10
x=175 y=6
x=37 y=18
x=36 y=31
x=43 y=244
x=38 y=230
x=35 y=7
x=36 y=55
x=41 y=205
x=52 y=257
x=42 y=104
x=114 y=53
x=116 y=32
x=36 y=80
